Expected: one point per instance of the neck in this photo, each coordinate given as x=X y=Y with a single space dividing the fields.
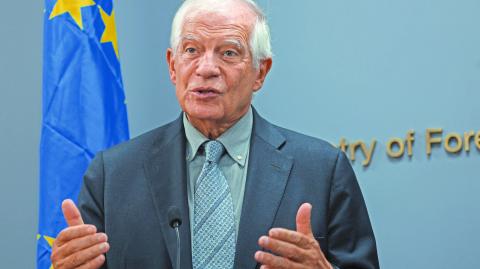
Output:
x=211 y=129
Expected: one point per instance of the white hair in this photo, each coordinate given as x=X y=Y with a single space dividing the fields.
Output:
x=260 y=47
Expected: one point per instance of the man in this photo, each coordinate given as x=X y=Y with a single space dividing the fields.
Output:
x=249 y=193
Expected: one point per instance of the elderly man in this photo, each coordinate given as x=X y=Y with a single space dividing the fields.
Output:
x=249 y=194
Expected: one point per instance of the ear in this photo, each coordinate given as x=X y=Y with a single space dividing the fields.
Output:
x=263 y=70
x=171 y=66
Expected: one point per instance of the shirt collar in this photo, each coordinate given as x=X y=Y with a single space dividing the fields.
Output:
x=236 y=139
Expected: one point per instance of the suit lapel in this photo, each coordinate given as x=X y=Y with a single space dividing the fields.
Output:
x=268 y=171
x=165 y=171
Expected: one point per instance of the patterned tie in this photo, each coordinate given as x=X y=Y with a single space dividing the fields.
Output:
x=214 y=224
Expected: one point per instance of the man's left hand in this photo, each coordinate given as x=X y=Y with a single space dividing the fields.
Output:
x=293 y=249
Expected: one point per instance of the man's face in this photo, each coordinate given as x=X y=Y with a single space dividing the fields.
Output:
x=212 y=67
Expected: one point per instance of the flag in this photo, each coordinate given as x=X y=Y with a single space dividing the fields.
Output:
x=84 y=107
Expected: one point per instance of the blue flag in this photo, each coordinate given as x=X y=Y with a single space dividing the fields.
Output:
x=83 y=104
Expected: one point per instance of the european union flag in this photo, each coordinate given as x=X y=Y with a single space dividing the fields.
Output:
x=83 y=104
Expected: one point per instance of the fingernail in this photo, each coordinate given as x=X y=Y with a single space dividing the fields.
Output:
x=103 y=246
x=258 y=255
x=101 y=237
x=92 y=229
x=263 y=240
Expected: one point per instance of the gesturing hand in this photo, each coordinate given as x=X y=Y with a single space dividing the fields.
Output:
x=79 y=245
x=295 y=249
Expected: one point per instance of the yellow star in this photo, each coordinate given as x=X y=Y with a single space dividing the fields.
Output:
x=49 y=240
x=50 y=243
x=73 y=7
x=110 y=32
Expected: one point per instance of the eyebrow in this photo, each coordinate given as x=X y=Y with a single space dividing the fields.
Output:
x=189 y=37
x=235 y=42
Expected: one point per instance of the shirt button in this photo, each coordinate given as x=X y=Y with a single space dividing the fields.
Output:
x=239 y=157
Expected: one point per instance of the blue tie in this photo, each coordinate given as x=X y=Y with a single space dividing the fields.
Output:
x=214 y=223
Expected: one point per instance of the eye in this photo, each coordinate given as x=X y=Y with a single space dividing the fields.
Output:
x=230 y=53
x=190 y=50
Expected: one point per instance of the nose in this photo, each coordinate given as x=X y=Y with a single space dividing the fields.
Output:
x=207 y=66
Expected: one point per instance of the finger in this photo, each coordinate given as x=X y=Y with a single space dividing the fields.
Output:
x=71 y=214
x=283 y=248
x=94 y=264
x=73 y=232
x=292 y=237
x=79 y=244
x=85 y=256
x=272 y=261
x=303 y=219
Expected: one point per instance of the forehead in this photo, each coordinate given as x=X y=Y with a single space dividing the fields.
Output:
x=224 y=21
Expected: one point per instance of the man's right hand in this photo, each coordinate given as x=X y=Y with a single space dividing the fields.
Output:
x=79 y=245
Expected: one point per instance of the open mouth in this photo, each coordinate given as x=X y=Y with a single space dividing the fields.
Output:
x=206 y=92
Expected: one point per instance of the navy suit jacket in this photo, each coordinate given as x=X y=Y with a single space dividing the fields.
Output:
x=128 y=189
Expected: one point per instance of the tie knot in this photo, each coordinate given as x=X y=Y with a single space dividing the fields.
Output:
x=213 y=150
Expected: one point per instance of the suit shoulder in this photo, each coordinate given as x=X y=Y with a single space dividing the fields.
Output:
x=138 y=146
x=313 y=155
x=306 y=142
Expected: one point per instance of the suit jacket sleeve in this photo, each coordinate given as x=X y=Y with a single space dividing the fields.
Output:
x=90 y=199
x=351 y=241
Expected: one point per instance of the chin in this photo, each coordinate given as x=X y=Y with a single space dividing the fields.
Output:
x=204 y=112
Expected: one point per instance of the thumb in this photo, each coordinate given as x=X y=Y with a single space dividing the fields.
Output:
x=303 y=219
x=71 y=214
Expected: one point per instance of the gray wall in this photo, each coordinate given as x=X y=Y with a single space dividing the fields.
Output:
x=20 y=115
